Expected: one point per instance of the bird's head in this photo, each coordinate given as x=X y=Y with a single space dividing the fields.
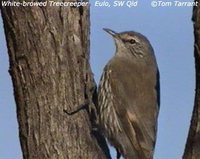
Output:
x=131 y=44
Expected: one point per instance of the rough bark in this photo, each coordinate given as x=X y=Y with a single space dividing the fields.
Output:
x=192 y=150
x=48 y=50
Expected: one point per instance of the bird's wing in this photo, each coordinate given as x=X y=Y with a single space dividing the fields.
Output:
x=135 y=107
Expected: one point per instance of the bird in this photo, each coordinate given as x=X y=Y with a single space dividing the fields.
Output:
x=129 y=96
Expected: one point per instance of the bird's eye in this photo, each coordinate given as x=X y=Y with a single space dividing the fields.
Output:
x=132 y=41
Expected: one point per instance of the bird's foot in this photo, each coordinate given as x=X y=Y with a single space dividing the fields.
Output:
x=77 y=109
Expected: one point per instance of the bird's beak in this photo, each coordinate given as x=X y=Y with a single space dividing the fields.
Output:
x=111 y=32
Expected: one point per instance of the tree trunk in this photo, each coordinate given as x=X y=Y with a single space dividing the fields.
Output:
x=192 y=150
x=48 y=50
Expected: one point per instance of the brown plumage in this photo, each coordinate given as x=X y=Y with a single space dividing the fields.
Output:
x=128 y=97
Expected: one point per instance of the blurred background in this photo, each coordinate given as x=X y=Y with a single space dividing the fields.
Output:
x=170 y=32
